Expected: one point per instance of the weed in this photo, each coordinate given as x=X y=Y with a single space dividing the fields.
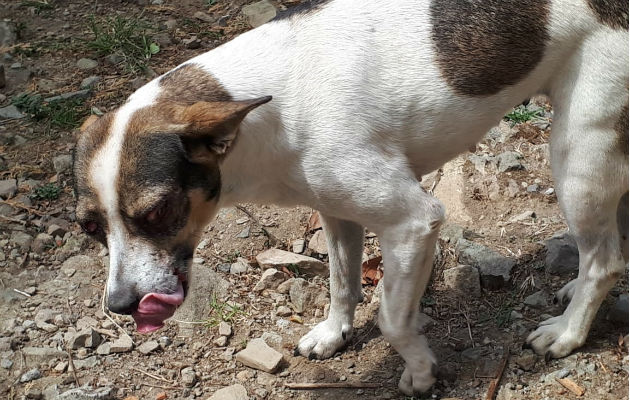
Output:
x=210 y=2
x=39 y=5
x=126 y=37
x=221 y=312
x=522 y=114
x=231 y=258
x=63 y=114
x=294 y=269
x=49 y=191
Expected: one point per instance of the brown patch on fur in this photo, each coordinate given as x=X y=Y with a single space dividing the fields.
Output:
x=189 y=84
x=613 y=13
x=306 y=7
x=483 y=46
x=621 y=128
x=91 y=139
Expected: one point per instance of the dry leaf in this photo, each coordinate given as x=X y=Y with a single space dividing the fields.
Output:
x=296 y=319
x=371 y=272
x=314 y=222
x=161 y=396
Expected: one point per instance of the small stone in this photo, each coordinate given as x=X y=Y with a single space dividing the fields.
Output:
x=30 y=375
x=225 y=329
x=233 y=392
x=270 y=279
x=536 y=300
x=148 y=347
x=6 y=363
x=276 y=258
x=464 y=279
x=240 y=266
x=85 y=338
x=164 y=341
x=524 y=216
x=298 y=246
x=42 y=243
x=122 y=345
x=272 y=339
x=62 y=163
x=619 y=310
x=318 y=243
x=55 y=230
x=494 y=268
x=527 y=360
x=259 y=13
x=114 y=59
x=202 y=16
x=509 y=161
x=10 y=112
x=87 y=393
x=33 y=393
x=515 y=315
x=61 y=366
x=41 y=355
x=562 y=256
x=90 y=82
x=245 y=375
x=259 y=355
x=192 y=42
x=533 y=188
x=8 y=187
x=87 y=63
x=16 y=65
x=86 y=363
x=224 y=268
x=21 y=239
x=512 y=189
x=549 y=192
x=283 y=311
x=562 y=373
x=306 y=295
x=221 y=341
x=188 y=376
x=244 y=234
x=104 y=349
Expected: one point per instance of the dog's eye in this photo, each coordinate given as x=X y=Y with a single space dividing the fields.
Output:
x=157 y=214
x=90 y=227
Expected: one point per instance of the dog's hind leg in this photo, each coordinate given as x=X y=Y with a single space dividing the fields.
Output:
x=408 y=246
x=589 y=157
x=345 y=247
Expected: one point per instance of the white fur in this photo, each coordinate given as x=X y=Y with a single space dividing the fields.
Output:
x=360 y=111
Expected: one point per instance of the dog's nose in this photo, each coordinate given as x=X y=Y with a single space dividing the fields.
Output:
x=122 y=304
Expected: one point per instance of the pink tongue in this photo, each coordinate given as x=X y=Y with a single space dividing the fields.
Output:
x=154 y=308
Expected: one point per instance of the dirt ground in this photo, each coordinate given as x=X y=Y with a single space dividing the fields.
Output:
x=52 y=286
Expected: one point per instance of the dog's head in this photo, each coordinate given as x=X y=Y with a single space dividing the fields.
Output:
x=147 y=181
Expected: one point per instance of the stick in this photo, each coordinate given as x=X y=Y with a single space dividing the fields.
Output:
x=494 y=385
x=74 y=370
x=331 y=385
x=161 y=386
x=21 y=292
x=22 y=206
x=110 y=318
x=571 y=386
x=274 y=240
x=150 y=375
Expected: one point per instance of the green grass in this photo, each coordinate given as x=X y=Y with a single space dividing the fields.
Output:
x=127 y=37
x=49 y=191
x=221 y=311
x=39 y=5
x=521 y=114
x=63 y=114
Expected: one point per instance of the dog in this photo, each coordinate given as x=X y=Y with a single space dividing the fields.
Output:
x=342 y=105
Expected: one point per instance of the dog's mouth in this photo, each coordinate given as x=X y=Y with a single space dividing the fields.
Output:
x=155 y=308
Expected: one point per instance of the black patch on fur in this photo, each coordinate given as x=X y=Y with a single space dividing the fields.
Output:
x=304 y=8
x=485 y=45
x=613 y=13
x=621 y=128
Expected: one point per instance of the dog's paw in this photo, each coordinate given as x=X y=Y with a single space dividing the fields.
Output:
x=564 y=295
x=554 y=339
x=418 y=381
x=324 y=340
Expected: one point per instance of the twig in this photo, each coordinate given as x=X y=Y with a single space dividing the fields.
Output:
x=22 y=206
x=494 y=385
x=161 y=386
x=332 y=385
x=438 y=178
x=571 y=386
x=21 y=292
x=272 y=239
x=71 y=362
x=15 y=220
x=106 y=313
x=2 y=283
x=150 y=375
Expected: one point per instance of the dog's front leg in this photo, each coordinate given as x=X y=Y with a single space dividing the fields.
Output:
x=345 y=246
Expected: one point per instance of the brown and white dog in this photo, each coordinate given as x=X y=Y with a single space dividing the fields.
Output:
x=366 y=99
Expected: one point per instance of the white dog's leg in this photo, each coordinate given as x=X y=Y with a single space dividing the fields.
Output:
x=345 y=247
x=408 y=249
x=589 y=157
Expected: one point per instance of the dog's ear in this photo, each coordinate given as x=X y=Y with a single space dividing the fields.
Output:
x=208 y=129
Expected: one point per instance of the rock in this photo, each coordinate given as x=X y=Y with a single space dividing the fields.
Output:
x=44 y=320
x=42 y=355
x=85 y=338
x=79 y=94
x=480 y=162
x=8 y=188
x=275 y=258
x=226 y=268
x=62 y=163
x=240 y=266
x=619 y=311
x=536 y=300
x=30 y=375
x=298 y=246
x=42 y=242
x=114 y=59
x=86 y=322
x=8 y=36
x=524 y=216
x=549 y=191
x=202 y=16
x=104 y=349
x=233 y=392
x=259 y=13
x=270 y=279
x=164 y=341
x=259 y=355
x=464 y=279
x=221 y=341
x=192 y=42
x=55 y=230
x=6 y=363
x=225 y=329
x=33 y=393
x=10 y=112
x=533 y=188
x=305 y=295
x=188 y=376
x=509 y=161
x=494 y=269
x=86 y=363
x=51 y=392
x=170 y=24
x=502 y=132
x=527 y=360
x=272 y=339
x=148 y=347
x=285 y=286
x=562 y=254
x=87 y=393
x=283 y=311
x=121 y=345
x=87 y=64
x=21 y=239
x=318 y=242
x=512 y=190
x=90 y=82
x=244 y=234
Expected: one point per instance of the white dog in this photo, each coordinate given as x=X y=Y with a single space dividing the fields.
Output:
x=366 y=99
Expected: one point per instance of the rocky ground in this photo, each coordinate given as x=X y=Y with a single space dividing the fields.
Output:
x=260 y=272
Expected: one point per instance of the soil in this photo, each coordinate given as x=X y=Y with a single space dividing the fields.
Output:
x=469 y=335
